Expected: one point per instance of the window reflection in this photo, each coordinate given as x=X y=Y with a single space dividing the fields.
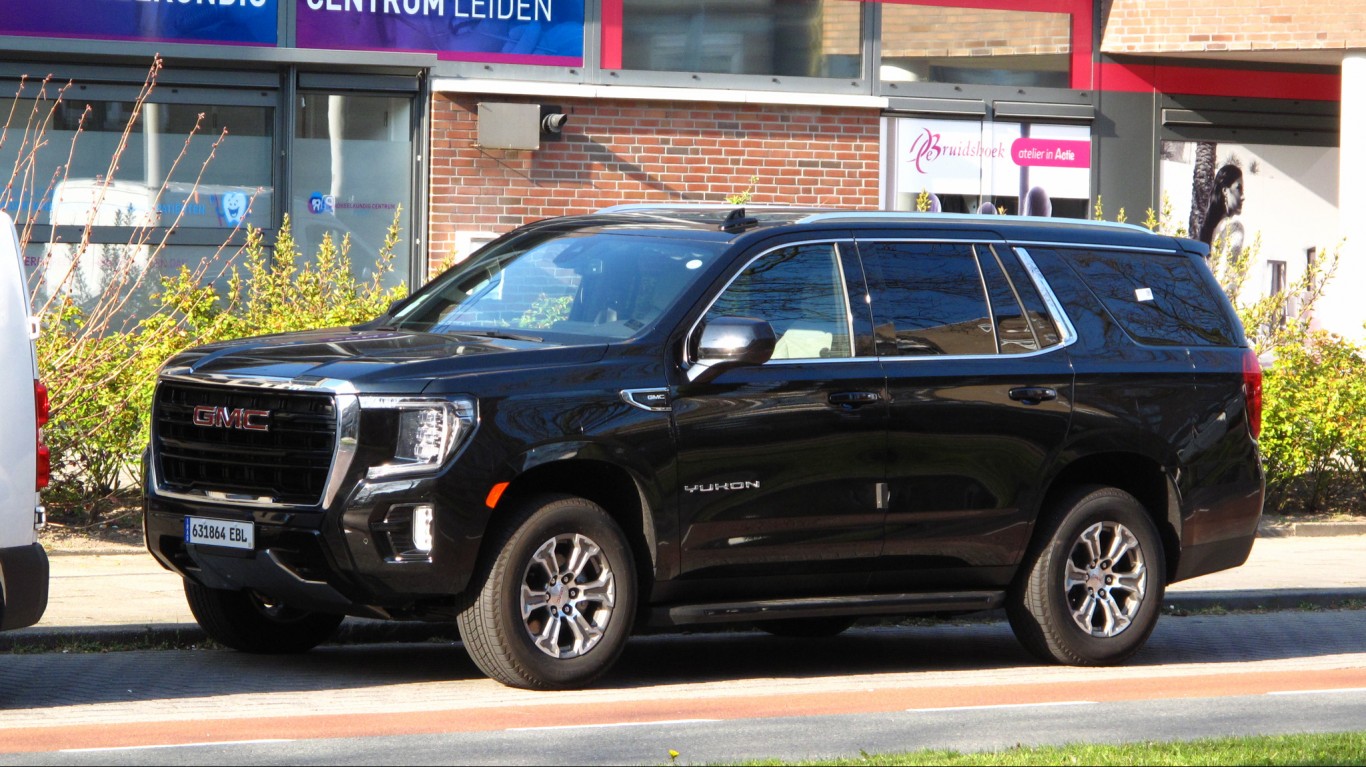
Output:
x=352 y=170
x=928 y=299
x=923 y=43
x=800 y=292
x=1155 y=298
x=794 y=38
x=154 y=183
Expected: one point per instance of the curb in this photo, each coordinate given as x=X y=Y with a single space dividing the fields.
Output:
x=1309 y=529
x=157 y=636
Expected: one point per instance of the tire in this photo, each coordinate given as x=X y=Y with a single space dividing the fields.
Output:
x=531 y=623
x=247 y=621
x=1074 y=601
x=808 y=628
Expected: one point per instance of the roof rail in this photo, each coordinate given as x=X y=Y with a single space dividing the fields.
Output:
x=954 y=218
x=702 y=207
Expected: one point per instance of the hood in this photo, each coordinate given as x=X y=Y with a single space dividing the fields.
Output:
x=378 y=360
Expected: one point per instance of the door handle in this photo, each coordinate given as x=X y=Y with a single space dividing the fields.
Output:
x=1033 y=395
x=854 y=398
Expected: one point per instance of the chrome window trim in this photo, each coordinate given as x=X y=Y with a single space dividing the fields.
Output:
x=347 y=404
x=1014 y=292
x=848 y=309
x=1050 y=299
x=1096 y=246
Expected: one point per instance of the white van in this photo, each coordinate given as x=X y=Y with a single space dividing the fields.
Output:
x=24 y=460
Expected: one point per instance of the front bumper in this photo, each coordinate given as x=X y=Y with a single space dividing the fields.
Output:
x=343 y=560
x=23 y=586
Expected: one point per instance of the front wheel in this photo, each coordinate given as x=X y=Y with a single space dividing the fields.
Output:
x=1089 y=593
x=251 y=622
x=554 y=607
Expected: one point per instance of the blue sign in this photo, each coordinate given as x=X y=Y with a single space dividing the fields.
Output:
x=548 y=32
x=243 y=22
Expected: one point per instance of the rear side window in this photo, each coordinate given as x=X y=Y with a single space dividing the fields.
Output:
x=1159 y=299
x=928 y=299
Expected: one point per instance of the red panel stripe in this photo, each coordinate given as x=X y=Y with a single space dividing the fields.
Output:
x=1209 y=81
x=611 y=34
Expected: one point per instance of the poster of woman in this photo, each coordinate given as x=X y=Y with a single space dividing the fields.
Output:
x=1282 y=197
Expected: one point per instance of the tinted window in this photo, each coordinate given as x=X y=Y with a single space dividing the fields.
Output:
x=594 y=285
x=1161 y=300
x=1014 y=334
x=800 y=292
x=928 y=298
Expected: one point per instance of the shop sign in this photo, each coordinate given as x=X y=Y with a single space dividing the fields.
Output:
x=547 y=32
x=991 y=161
x=243 y=22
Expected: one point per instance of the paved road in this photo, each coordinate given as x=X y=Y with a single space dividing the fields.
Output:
x=714 y=697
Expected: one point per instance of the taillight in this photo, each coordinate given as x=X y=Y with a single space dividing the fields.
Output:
x=1252 y=391
x=40 y=405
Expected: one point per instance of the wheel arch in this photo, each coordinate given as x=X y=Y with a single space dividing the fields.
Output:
x=613 y=487
x=1138 y=475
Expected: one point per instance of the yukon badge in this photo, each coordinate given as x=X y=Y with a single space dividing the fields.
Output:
x=716 y=487
x=231 y=418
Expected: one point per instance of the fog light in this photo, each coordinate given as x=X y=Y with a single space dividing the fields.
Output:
x=422 y=528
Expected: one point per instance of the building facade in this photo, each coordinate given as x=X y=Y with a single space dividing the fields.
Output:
x=348 y=114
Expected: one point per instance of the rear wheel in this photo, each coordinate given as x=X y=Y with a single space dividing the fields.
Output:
x=1089 y=593
x=555 y=606
x=251 y=622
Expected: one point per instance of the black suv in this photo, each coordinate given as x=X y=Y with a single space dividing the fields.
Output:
x=677 y=416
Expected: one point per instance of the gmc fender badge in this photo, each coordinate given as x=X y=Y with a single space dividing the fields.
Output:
x=654 y=400
x=717 y=487
x=231 y=418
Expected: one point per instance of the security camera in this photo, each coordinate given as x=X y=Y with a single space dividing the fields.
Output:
x=554 y=122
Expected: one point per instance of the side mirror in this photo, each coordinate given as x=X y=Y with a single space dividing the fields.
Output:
x=729 y=342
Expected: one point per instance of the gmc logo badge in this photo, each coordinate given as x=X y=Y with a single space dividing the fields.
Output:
x=231 y=418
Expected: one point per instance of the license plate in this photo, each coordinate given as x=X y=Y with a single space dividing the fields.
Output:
x=220 y=532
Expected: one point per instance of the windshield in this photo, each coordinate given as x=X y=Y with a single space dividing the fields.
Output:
x=587 y=284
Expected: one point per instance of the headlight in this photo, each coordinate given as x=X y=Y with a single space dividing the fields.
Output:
x=429 y=431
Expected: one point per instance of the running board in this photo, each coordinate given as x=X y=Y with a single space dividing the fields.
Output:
x=819 y=607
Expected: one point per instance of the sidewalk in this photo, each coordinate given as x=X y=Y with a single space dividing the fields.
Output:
x=126 y=597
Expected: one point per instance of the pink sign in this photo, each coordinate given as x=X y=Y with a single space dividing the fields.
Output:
x=1052 y=153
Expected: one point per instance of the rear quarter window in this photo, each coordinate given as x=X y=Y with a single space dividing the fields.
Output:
x=1159 y=299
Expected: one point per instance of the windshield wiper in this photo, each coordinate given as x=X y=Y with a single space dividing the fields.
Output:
x=503 y=334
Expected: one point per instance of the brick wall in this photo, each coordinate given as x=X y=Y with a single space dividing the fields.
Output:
x=626 y=152
x=1171 y=26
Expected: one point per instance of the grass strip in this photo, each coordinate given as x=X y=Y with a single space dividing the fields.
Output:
x=1347 y=748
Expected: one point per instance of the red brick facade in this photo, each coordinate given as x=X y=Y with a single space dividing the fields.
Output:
x=1179 y=26
x=627 y=152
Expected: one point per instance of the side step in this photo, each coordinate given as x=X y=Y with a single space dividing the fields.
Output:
x=819 y=607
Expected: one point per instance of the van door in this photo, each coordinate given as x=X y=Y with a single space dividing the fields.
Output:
x=23 y=564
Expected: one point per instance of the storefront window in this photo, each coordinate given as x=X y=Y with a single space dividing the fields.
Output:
x=971 y=166
x=790 y=38
x=156 y=180
x=352 y=172
x=926 y=43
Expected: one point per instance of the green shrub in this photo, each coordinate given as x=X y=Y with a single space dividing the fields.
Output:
x=1314 y=427
x=102 y=382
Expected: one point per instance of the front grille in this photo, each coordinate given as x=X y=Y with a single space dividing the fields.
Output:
x=288 y=464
